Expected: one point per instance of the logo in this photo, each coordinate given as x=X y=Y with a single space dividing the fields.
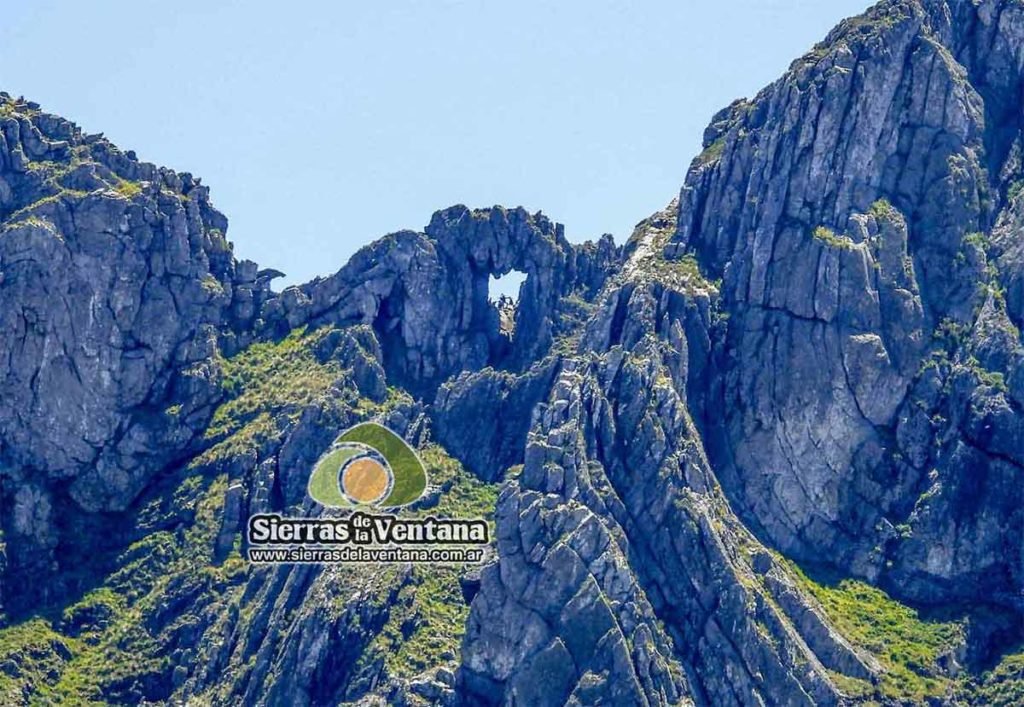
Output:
x=368 y=465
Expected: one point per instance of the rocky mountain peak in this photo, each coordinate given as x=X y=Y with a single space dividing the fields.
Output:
x=767 y=452
x=848 y=209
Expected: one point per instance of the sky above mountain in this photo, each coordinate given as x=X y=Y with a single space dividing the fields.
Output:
x=320 y=126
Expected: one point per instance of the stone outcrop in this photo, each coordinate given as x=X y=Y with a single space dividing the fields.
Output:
x=845 y=209
x=623 y=576
x=704 y=453
x=115 y=278
x=426 y=294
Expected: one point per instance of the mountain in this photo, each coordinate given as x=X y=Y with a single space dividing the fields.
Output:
x=767 y=452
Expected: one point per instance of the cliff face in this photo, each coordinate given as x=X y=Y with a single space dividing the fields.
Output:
x=113 y=277
x=767 y=452
x=871 y=358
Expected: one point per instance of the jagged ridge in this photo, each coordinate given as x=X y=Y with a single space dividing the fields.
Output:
x=815 y=350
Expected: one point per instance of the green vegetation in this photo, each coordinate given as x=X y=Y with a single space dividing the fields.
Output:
x=119 y=641
x=212 y=285
x=953 y=337
x=973 y=245
x=650 y=263
x=951 y=334
x=858 y=28
x=572 y=314
x=218 y=240
x=422 y=608
x=94 y=613
x=994 y=289
x=258 y=378
x=425 y=624
x=689 y=267
x=977 y=239
x=907 y=645
x=50 y=177
x=713 y=152
x=103 y=646
x=428 y=619
x=26 y=215
x=32 y=655
x=465 y=495
x=125 y=187
x=830 y=238
x=992 y=379
x=1003 y=686
x=31 y=221
x=266 y=381
x=689 y=276
x=852 y=687
x=882 y=210
x=681 y=273
x=17 y=108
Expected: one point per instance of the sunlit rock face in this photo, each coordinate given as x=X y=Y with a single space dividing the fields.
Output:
x=852 y=210
x=705 y=452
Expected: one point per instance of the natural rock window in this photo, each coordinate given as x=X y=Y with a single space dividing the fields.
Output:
x=505 y=285
x=503 y=293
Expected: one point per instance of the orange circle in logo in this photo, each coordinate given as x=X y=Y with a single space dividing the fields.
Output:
x=365 y=480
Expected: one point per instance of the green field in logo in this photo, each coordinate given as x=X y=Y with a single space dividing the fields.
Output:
x=368 y=465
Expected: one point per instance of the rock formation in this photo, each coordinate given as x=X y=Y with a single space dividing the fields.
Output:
x=768 y=452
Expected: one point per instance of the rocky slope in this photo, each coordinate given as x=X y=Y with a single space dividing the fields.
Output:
x=766 y=453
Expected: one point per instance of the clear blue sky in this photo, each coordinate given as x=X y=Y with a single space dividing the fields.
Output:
x=320 y=126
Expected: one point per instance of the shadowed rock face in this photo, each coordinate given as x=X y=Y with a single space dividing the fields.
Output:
x=813 y=354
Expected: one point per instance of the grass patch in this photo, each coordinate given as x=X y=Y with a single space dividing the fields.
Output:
x=571 y=317
x=427 y=628
x=32 y=657
x=1003 y=686
x=211 y=285
x=126 y=188
x=270 y=376
x=94 y=613
x=883 y=210
x=110 y=647
x=977 y=239
x=682 y=274
x=713 y=152
x=831 y=238
x=991 y=379
x=906 y=645
x=166 y=596
x=466 y=495
x=428 y=620
x=268 y=385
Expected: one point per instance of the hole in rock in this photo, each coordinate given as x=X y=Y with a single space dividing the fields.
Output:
x=503 y=292
x=507 y=285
